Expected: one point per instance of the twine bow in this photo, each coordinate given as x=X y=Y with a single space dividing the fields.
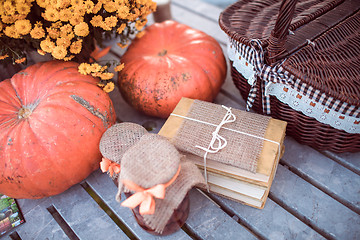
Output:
x=107 y=165
x=221 y=141
x=145 y=197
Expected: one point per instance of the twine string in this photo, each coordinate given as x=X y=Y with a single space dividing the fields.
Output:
x=221 y=141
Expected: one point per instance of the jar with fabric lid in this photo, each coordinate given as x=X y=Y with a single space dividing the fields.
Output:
x=156 y=179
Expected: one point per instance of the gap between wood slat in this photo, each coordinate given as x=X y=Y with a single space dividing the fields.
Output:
x=318 y=186
x=107 y=210
x=301 y=217
x=15 y=236
x=189 y=232
x=62 y=223
x=234 y=216
x=335 y=158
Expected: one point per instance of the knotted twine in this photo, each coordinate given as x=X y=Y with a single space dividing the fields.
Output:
x=204 y=118
x=154 y=160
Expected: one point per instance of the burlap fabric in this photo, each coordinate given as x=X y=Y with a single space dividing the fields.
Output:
x=119 y=138
x=241 y=151
x=154 y=160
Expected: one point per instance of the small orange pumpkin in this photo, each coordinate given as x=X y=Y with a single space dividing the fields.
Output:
x=51 y=122
x=171 y=61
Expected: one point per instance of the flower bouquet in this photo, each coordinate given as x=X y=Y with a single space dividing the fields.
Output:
x=69 y=29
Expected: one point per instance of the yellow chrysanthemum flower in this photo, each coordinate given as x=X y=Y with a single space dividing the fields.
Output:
x=7 y=19
x=111 y=21
x=62 y=4
x=23 y=27
x=41 y=52
x=59 y=52
x=37 y=32
x=53 y=33
x=110 y=7
x=76 y=19
x=10 y=31
x=82 y=29
x=69 y=58
x=84 y=68
x=119 y=67
x=9 y=8
x=97 y=8
x=100 y=84
x=23 y=8
x=121 y=28
x=96 y=74
x=77 y=2
x=67 y=32
x=123 y=12
x=95 y=67
x=51 y=14
x=89 y=6
x=63 y=42
x=20 y=60
x=106 y=76
x=4 y=56
x=96 y=20
x=65 y=14
x=47 y=45
x=140 y=24
x=76 y=46
x=122 y=45
x=109 y=87
x=140 y=34
x=66 y=29
x=42 y=3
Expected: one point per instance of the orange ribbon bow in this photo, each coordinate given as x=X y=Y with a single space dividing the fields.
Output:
x=107 y=165
x=145 y=197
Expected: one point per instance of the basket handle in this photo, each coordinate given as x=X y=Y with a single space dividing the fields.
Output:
x=280 y=32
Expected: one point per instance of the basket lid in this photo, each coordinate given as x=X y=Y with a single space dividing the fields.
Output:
x=331 y=64
x=256 y=19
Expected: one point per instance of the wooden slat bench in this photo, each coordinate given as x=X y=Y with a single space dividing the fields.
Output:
x=315 y=195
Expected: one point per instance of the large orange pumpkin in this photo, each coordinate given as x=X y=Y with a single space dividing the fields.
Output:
x=51 y=122
x=171 y=61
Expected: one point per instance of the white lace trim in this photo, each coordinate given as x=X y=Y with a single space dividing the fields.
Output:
x=294 y=99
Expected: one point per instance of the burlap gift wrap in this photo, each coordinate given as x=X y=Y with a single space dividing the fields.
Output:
x=118 y=139
x=153 y=160
x=203 y=123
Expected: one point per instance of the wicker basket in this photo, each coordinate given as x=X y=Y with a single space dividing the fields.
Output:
x=299 y=61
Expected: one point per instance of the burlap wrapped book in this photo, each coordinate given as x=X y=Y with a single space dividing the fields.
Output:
x=154 y=165
x=238 y=151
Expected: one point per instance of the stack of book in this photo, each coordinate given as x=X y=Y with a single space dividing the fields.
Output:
x=238 y=184
x=250 y=188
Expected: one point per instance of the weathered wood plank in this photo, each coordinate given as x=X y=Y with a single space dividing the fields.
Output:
x=84 y=215
x=39 y=222
x=196 y=21
x=272 y=222
x=106 y=189
x=349 y=160
x=201 y=8
x=334 y=179
x=314 y=207
x=208 y=221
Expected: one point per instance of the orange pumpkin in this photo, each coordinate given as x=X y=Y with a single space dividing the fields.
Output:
x=51 y=122
x=171 y=61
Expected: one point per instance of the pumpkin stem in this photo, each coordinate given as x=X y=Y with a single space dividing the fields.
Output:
x=162 y=53
x=24 y=112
